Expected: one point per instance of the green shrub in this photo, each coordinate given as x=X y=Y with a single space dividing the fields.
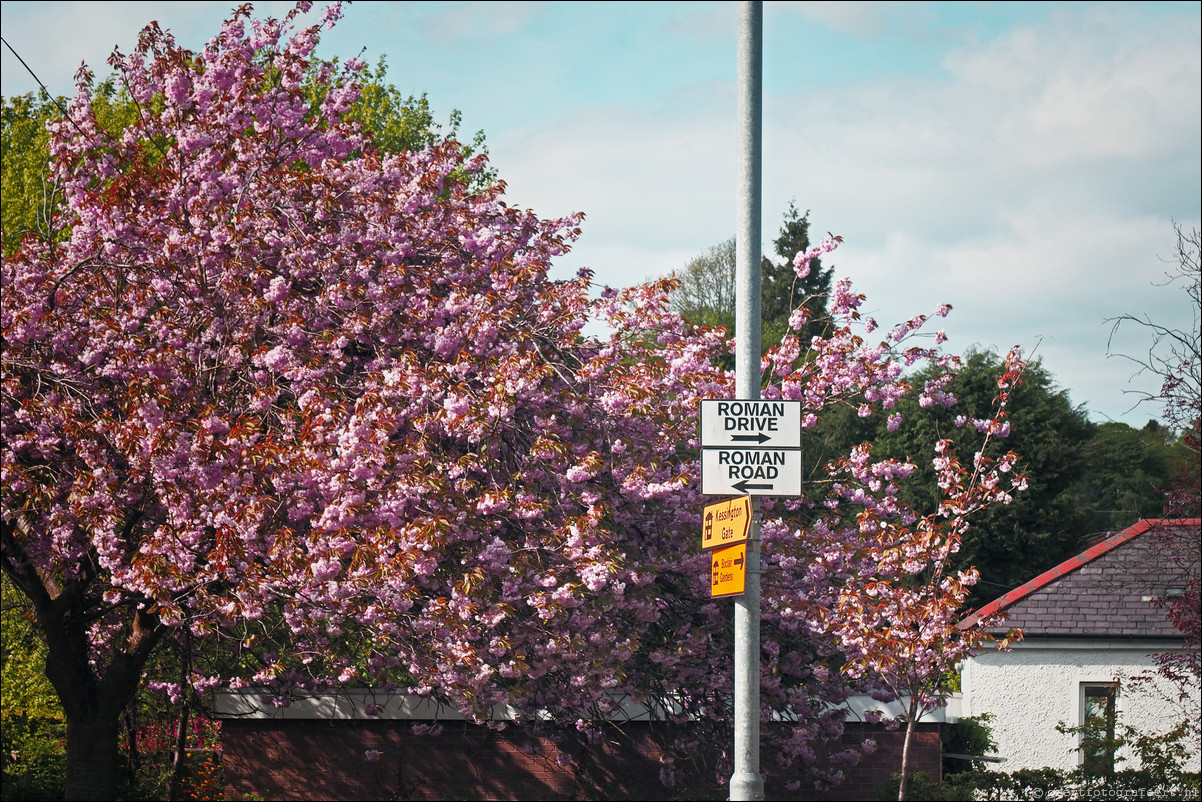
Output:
x=32 y=725
x=1161 y=774
x=919 y=787
x=33 y=756
x=972 y=735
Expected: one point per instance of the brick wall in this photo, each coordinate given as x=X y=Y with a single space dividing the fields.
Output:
x=862 y=782
x=325 y=760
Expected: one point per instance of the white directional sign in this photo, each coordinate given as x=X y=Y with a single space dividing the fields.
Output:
x=750 y=472
x=750 y=424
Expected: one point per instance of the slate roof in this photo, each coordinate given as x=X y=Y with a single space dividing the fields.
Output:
x=1104 y=591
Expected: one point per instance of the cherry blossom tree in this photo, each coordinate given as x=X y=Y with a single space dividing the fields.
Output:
x=267 y=387
x=904 y=626
x=890 y=596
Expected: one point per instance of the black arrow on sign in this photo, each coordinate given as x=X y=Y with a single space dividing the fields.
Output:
x=738 y=561
x=747 y=438
x=743 y=486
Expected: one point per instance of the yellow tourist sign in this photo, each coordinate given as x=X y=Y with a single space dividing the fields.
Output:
x=728 y=573
x=726 y=523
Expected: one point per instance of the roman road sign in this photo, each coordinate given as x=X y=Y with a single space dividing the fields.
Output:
x=750 y=472
x=728 y=571
x=726 y=523
x=750 y=424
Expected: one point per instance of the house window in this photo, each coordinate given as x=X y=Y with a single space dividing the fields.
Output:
x=1098 y=717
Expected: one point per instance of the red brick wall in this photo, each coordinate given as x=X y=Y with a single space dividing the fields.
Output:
x=324 y=760
x=862 y=782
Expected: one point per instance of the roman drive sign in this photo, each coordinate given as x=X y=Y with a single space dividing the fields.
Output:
x=750 y=424
x=748 y=448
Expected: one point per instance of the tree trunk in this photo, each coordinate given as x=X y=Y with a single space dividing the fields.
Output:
x=93 y=713
x=179 y=759
x=93 y=688
x=905 y=766
x=93 y=710
x=132 y=759
x=93 y=759
x=93 y=695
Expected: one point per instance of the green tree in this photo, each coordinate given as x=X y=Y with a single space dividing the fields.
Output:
x=28 y=195
x=706 y=295
x=1041 y=527
x=1085 y=479
x=782 y=290
x=1125 y=474
x=398 y=123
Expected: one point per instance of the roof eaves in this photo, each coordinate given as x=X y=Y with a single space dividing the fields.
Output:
x=1072 y=564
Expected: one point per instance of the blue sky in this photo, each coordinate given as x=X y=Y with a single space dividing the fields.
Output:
x=1024 y=162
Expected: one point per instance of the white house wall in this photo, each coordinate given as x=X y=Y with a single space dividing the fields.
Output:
x=1037 y=684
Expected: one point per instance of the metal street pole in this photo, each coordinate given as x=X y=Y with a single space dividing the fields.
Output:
x=747 y=782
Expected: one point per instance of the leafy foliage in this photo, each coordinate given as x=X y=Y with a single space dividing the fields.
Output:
x=1157 y=769
x=399 y=124
x=1009 y=544
x=32 y=731
x=783 y=291
x=29 y=198
x=705 y=295
x=1157 y=759
x=1126 y=473
x=969 y=735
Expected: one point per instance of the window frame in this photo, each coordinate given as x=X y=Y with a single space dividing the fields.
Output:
x=1098 y=760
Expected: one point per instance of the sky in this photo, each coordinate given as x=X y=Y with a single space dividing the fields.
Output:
x=1026 y=163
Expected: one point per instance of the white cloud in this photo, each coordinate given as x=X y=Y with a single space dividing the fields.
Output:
x=1026 y=186
x=867 y=18
x=456 y=23
x=1087 y=87
x=655 y=184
